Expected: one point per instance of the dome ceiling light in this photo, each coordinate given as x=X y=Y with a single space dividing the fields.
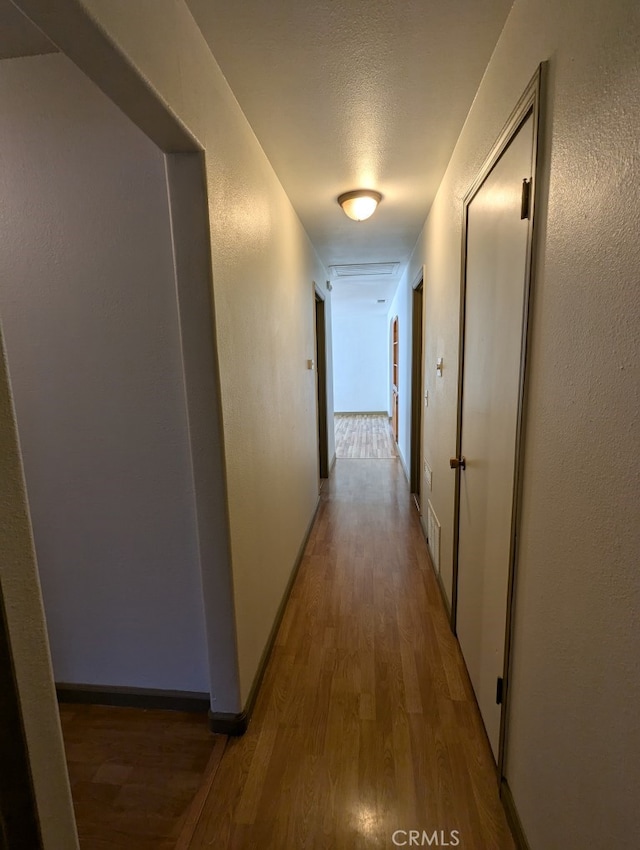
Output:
x=359 y=204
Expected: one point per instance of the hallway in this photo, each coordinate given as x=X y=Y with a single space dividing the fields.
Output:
x=365 y=723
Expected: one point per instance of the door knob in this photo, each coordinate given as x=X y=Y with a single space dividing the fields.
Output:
x=457 y=463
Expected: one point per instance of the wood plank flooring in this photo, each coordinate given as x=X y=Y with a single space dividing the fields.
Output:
x=365 y=723
x=364 y=435
x=135 y=773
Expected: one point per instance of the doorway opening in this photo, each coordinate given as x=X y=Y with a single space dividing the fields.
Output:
x=133 y=399
x=416 y=391
x=361 y=339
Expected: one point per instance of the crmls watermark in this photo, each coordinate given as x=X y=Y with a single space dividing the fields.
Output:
x=417 y=838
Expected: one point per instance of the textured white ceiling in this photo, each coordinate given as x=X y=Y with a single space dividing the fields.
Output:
x=344 y=94
x=18 y=36
x=347 y=94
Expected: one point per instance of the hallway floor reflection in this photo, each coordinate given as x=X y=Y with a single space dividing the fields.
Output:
x=366 y=723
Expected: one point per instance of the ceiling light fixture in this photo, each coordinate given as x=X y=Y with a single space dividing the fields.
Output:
x=359 y=204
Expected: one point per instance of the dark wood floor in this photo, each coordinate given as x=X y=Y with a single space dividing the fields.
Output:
x=135 y=773
x=366 y=722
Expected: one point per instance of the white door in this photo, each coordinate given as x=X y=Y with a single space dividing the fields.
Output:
x=494 y=306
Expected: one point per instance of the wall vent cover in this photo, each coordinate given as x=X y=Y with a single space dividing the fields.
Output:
x=365 y=270
x=433 y=535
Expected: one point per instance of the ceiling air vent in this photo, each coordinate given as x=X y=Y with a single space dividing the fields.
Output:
x=365 y=270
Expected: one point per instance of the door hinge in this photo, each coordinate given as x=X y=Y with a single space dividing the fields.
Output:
x=525 y=206
x=499 y=689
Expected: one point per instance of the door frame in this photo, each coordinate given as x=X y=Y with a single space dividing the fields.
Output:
x=395 y=378
x=417 y=385
x=19 y=823
x=529 y=105
x=320 y=333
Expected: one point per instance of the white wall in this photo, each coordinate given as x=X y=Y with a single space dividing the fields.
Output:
x=88 y=303
x=163 y=74
x=360 y=361
x=573 y=751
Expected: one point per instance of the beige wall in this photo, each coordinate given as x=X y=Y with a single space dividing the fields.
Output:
x=263 y=268
x=28 y=636
x=573 y=759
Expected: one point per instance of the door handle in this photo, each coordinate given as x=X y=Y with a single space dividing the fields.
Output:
x=457 y=463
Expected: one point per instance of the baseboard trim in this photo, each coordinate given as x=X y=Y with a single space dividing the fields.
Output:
x=513 y=817
x=333 y=463
x=443 y=594
x=441 y=588
x=361 y=413
x=233 y=725
x=193 y=701
x=236 y=724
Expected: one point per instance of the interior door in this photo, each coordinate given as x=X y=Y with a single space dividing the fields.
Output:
x=321 y=387
x=494 y=311
x=417 y=390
